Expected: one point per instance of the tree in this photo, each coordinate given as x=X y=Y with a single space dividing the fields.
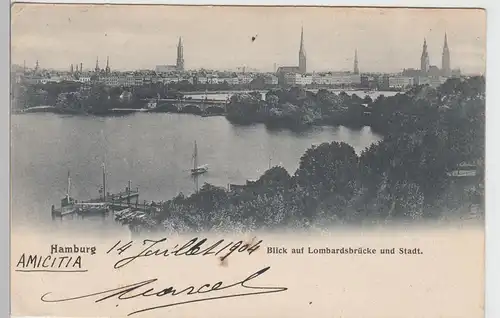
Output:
x=327 y=170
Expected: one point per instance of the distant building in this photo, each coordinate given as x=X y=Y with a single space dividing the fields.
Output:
x=108 y=69
x=295 y=79
x=165 y=68
x=302 y=54
x=336 y=79
x=244 y=78
x=230 y=80
x=424 y=59
x=180 y=55
x=437 y=81
x=97 y=69
x=84 y=79
x=270 y=80
x=110 y=80
x=423 y=80
x=400 y=82
x=430 y=70
x=411 y=72
x=288 y=69
x=33 y=79
x=445 y=60
x=356 y=67
x=301 y=69
x=433 y=71
x=383 y=82
x=179 y=66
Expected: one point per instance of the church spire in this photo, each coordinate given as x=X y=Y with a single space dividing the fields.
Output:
x=424 y=59
x=97 y=65
x=180 y=55
x=108 y=69
x=445 y=59
x=302 y=48
x=302 y=53
x=356 y=67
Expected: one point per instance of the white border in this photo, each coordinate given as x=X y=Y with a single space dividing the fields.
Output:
x=5 y=159
x=386 y=3
x=492 y=126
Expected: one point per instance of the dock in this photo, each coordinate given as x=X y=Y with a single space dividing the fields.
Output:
x=102 y=205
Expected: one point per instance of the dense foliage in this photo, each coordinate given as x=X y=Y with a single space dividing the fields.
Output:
x=428 y=132
x=95 y=97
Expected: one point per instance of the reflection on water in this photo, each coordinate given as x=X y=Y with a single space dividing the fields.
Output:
x=224 y=96
x=154 y=151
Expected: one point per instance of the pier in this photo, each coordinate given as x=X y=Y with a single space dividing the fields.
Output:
x=106 y=203
x=102 y=205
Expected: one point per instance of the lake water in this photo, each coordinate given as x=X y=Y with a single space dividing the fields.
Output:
x=154 y=151
x=225 y=96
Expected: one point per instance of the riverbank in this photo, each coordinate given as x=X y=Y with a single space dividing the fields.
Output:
x=403 y=178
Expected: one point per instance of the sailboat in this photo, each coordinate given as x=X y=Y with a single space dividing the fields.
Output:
x=71 y=206
x=196 y=170
x=67 y=203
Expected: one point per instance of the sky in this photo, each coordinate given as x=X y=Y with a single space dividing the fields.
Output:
x=141 y=37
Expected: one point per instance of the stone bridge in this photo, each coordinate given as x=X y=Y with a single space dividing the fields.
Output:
x=193 y=106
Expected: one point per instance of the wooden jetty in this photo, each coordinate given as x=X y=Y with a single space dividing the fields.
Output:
x=97 y=206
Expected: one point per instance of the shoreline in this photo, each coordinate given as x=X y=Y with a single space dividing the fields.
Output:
x=269 y=125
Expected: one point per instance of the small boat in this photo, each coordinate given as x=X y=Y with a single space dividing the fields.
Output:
x=196 y=170
x=71 y=206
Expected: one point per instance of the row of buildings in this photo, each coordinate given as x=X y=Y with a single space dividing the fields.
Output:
x=284 y=75
x=328 y=79
x=427 y=74
x=365 y=81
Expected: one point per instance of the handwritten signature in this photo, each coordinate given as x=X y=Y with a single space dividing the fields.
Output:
x=144 y=289
x=193 y=247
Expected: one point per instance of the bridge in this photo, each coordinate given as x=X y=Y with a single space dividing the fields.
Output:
x=193 y=101
x=232 y=92
x=196 y=106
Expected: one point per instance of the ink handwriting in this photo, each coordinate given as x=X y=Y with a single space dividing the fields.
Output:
x=193 y=247
x=144 y=289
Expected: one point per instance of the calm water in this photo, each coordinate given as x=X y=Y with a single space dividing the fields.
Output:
x=225 y=96
x=154 y=151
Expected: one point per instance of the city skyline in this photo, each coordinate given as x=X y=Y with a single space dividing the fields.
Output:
x=79 y=33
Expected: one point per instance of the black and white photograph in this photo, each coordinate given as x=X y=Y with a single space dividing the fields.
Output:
x=161 y=120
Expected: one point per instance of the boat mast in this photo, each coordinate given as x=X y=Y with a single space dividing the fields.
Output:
x=104 y=182
x=195 y=156
x=69 y=188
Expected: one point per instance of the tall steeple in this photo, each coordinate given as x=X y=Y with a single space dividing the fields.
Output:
x=180 y=55
x=302 y=54
x=97 y=69
x=108 y=69
x=445 y=60
x=71 y=70
x=356 y=67
x=424 y=59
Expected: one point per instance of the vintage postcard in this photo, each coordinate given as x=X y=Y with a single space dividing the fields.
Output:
x=224 y=161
